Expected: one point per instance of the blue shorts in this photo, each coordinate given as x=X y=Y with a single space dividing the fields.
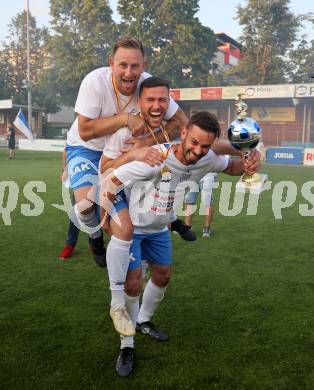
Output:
x=154 y=247
x=82 y=166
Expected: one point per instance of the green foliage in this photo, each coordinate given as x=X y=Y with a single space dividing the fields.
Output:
x=302 y=62
x=178 y=47
x=269 y=31
x=83 y=32
x=13 y=60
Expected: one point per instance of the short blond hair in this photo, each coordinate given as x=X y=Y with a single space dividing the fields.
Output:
x=128 y=43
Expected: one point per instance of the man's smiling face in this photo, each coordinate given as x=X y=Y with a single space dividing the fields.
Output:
x=127 y=66
x=154 y=103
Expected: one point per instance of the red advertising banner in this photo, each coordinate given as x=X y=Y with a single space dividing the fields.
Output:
x=175 y=94
x=211 y=93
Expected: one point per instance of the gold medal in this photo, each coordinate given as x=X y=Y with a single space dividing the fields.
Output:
x=165 y=173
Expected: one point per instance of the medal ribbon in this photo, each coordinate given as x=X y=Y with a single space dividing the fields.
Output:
x=165 y=134
x=120 y=109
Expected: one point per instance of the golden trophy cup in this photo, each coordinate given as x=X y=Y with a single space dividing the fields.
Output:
x=244 y=133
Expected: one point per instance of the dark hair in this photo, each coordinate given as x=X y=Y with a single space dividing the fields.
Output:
x=128 y=43
x=205 y=121
x=152 y=82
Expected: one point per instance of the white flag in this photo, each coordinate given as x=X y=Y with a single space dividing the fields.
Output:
x=20 y=123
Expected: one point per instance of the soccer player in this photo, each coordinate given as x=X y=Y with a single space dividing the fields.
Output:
x=154 y=103
x=107 y=98
x=73 y=230
x=151 y=192
x=206 y=186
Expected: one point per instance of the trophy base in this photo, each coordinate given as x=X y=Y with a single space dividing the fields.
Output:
x=254 y=183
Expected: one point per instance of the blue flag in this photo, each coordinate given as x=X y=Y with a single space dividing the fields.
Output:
x=21 y=124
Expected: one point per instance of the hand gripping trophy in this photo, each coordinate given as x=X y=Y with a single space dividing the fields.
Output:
x=245 y=133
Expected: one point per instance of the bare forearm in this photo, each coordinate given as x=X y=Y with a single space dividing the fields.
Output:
x=96 y=128
x=224 y=147
x=235 y=168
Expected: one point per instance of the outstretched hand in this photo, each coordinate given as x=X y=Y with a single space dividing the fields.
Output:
x=147 y=154
x=135 y=143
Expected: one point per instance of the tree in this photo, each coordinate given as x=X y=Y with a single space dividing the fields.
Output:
x=302 y=62
x=13 y=58
x=179 y=48
x=269 y=32
x=5 y=90
x=83 y=35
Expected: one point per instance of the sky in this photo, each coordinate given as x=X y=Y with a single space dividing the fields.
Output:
x=217 y=14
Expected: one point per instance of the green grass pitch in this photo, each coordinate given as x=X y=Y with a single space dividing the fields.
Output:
x=239 y=309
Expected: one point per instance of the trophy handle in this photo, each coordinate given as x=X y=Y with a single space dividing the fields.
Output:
x=246 y=154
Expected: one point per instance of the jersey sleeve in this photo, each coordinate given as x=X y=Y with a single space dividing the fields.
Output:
x=172 y=109
x=218 y=163
x=223 y=163
x=136 y=171
x=89 y=99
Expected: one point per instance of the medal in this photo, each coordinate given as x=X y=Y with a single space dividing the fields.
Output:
x=165 y=173
x=165 y=134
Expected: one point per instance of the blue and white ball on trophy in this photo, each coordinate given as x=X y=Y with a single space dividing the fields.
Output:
x=244 y=133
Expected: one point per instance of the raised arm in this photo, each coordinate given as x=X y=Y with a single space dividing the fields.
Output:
x=238 y=166
x=147 y=154
x=224 y=147
x=99 y=127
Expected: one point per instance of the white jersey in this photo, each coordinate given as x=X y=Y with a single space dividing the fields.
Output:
x=117 y=141
x=153 y=195
x=96 y=99
x=210 y=177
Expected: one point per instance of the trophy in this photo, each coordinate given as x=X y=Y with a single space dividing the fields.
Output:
x=244 y=133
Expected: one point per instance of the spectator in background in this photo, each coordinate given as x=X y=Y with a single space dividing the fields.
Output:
x=73 y=230
x=11 y=140
x=72 y=237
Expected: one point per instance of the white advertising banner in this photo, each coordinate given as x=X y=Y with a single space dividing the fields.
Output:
x=308 y=156
x=6 y=103
x=43 y=145
x=268 y=91
x=304 y=90
x=190 y=94
x=232 y=92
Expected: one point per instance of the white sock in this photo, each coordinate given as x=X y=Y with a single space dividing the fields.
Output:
x=152 y=297
x=118 y=258
x=132 y=305
x=90 y=220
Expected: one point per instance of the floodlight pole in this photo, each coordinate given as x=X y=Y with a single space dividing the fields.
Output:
x=29 y=83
